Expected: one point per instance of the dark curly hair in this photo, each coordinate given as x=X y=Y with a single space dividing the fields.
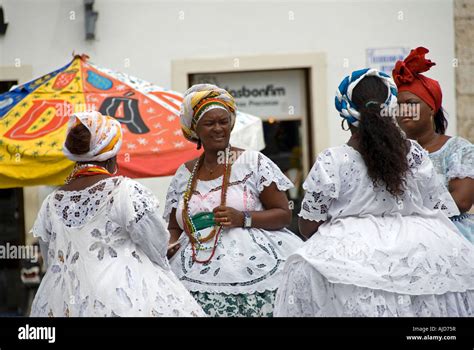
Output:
x=441 y=123
x=78 y=140
x=381 y=142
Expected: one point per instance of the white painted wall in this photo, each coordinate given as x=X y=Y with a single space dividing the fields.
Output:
x=150 y=34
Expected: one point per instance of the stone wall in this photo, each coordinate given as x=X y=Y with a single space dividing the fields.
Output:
x=464 y=42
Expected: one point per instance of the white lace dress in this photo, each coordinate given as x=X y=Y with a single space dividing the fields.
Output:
x=106 y=255
x=245 y=271
x=455 y=160
x=374 y=255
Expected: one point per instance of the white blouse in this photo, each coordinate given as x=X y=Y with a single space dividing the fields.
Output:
x=246 y=260
x=338 y=186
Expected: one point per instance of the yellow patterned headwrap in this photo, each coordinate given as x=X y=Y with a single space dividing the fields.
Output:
x=198 y=100
x=106 y=136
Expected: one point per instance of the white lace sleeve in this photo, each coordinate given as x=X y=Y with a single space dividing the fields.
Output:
x=136 y=208
x=461 y=161
x=321 y=187
x=435 y=194
x=268 y=172
x=175 y=191
x=42 y=226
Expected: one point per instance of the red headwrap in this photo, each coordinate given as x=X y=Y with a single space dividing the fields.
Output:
x=408 y=78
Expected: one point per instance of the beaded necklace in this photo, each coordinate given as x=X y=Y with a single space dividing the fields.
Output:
x=189 y=227
x=86 y=170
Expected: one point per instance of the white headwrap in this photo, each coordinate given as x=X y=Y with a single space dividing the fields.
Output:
x=106 y=136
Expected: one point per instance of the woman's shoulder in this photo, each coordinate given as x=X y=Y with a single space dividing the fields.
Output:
x=119 y=186
x=247 y=158
x=336 y=154
x=184 y=171
x=98 y=188
x=335 y=151
x=189 y=165
x=458 y=142
x=236 y=153
x=459 y=158
x=452 y=145
x=136 y=191
x=414 y=145
x=181 y=176
x=264 y=171
x=45 y=205
x=132 y=184
x=416 y=154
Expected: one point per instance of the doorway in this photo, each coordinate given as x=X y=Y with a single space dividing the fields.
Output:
x=12 y=233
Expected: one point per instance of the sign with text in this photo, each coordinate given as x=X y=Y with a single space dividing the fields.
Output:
x=278 y=95
x=384 y=59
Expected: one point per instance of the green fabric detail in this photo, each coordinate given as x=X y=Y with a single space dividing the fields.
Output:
x=203 y=220
x=239 y=305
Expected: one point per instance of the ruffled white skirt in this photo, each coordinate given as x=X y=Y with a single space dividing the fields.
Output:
x=392 y=266
x=304 y=292
x=126 y=286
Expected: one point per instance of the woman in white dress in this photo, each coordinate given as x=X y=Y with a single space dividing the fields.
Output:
x=381 y=242
x=102 y=238
x=452 y=156
x=227 y=213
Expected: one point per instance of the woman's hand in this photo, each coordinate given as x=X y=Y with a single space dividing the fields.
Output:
x=308 y=227
x=172 y=249
x=228 y=217
x=175 y=233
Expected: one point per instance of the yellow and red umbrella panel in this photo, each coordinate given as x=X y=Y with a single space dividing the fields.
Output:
x=34 y=116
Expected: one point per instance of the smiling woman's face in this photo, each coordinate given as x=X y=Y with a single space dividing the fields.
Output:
x=214 y=129
x=423 y=121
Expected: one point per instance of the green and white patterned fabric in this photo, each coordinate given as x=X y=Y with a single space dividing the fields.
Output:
x=239 y=305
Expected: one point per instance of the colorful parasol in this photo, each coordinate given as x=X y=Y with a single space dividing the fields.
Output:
x=34 y=116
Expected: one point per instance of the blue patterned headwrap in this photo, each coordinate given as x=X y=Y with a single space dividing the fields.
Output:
x=347 y=109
